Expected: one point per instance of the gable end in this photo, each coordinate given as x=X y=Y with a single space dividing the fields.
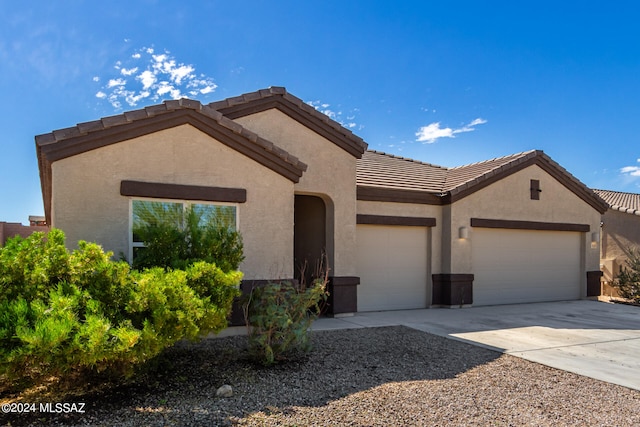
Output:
x=295 y=108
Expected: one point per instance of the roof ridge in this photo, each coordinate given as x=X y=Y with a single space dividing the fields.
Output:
x=408 y=159
x=514 y=155
x=106 y=122
x=282 y=92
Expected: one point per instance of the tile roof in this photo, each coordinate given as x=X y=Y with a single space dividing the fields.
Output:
x=88 y=136
x=278 y=98
x=620 y=201
x=380 y=176
x=58 y=137
x=385 y=170
x=378 y=170
x=462 y=177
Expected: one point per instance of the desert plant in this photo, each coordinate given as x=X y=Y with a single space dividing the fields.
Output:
x=81 y=311
x=628 y=280
x=278 y=317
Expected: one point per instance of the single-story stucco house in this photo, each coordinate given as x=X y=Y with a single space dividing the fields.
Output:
x=620 y=232
x=398 y=233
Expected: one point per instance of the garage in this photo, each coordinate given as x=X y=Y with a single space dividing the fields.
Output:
x=521 y=266
x=392 y=263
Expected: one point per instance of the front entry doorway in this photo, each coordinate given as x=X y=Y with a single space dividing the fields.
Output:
x=310 y=237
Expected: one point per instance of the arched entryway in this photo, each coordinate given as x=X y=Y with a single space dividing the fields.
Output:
x=310 y=236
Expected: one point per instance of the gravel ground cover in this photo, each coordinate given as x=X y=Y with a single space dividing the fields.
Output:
x=393 y=376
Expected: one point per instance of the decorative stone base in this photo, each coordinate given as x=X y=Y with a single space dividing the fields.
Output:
x=343 y=295
x=594 y=287
x=452 y=290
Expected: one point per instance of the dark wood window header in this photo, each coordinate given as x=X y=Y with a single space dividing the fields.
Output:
x=395 y=195
x=396 y=220
x=528 y=225
x=182 y=192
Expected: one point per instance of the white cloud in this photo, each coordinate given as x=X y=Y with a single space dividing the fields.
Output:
x=477 y=121
x=128 y=72
x=631 y=171
x=207 y=89
x=101 y=95
x=347 y=120
x=432 y=132
x=180 y=73
x=116 y=82
x=157 y=76
x=96 y=79
x=147 y=78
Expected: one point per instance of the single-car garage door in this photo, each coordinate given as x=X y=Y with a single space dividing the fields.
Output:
x=518 y=266
x=392 y=265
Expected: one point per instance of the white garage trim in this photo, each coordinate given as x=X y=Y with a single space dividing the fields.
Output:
x=393 y=265
x=518 y=266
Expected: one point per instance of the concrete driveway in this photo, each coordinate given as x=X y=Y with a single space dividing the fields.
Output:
x=596 y=339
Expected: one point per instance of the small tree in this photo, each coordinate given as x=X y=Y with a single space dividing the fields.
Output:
x=628 y=280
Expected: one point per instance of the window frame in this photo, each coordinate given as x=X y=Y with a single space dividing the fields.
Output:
x=185 y=204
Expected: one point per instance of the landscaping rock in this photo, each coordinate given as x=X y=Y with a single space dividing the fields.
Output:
x=224 y=391
x=371 y=377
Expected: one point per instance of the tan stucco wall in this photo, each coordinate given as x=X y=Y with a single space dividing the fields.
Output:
x=509 y=199
x=331 y=174
x=87 y=204
x=620 y=232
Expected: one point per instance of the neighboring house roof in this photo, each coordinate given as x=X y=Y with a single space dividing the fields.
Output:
x=384 y=177
x=280 y=99
x=620 y=201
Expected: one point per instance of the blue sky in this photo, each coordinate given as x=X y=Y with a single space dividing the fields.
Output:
x=448 y=83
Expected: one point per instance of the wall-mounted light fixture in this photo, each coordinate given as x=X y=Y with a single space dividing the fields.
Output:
x=463 y=232
x=595 y=239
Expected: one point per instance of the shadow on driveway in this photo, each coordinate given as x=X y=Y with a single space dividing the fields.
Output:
x=595 y=339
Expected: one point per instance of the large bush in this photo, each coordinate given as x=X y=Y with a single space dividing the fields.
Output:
x=177 y=242
x=628 y=280
x=63 y=312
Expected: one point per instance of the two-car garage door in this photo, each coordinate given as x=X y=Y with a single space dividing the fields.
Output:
x=392 y=264
x=510 y=266
x=518 y=266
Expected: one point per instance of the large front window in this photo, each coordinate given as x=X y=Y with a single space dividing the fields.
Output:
x=148 y=212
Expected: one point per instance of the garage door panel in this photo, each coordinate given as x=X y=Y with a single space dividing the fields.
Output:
x=516 y=266
x=392 y=265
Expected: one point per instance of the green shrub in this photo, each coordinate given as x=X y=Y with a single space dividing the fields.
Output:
x=176 y=244
x=278 y=317
x=64 y=312
x=628 y=280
